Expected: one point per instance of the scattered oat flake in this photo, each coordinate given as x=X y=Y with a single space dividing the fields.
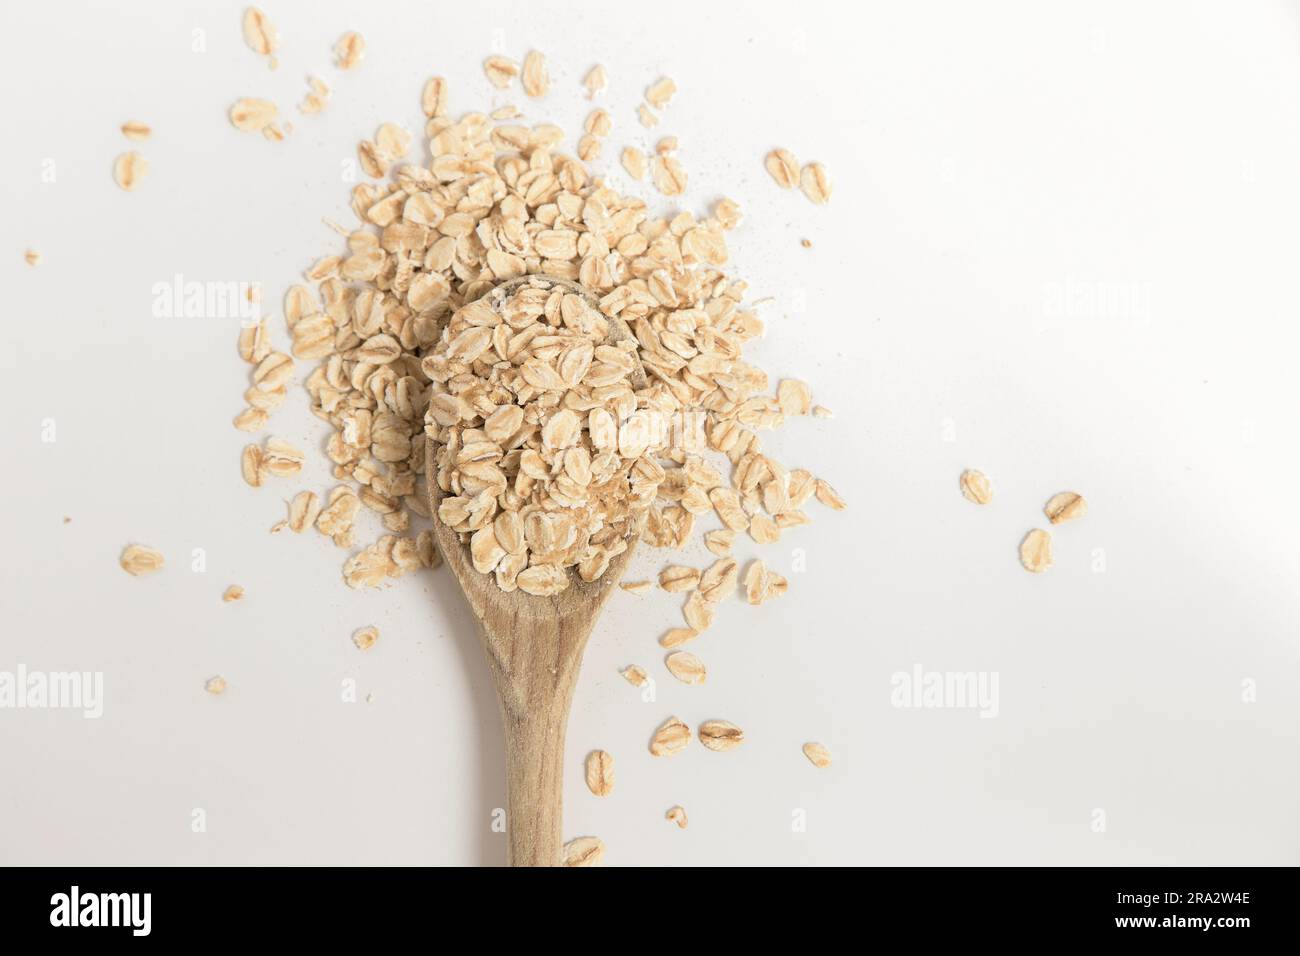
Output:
x=595 y=81
x=676 y=577
x=251 y=420
x=350 y=50
x=500 y=71
x=252 y=115
x=636 y=587
x=584 y=851
x=535 y=79
x=821 y=411
x=1036 y=551
x=317 y=98
x=720 y=735
x=633 y=161
x=975 y=486
x=829 y=497
x=686 y=667
x=817 y=754
x=806 y=243
x=659 y=93
x=259 y=33
x=635 y=675
x=782 y=167
x=365 y=638
x=135 y=130
x=678 y=816
x=697 y=612
x=1066 y=506
x=433 y=100
x=215 y=685
x=814 y=182
x=668 y=175
x=138 y=560
x=677 y=636
x=670 y=738
x=33 y=257
x=756 y=582
x=646 y=117
x=233 y=593
x=794 y=397
x=129 y=169
x=719 y=542
x=600 y=773
x=507 y=112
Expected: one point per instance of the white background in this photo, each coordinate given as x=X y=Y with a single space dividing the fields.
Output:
x=1061 y=248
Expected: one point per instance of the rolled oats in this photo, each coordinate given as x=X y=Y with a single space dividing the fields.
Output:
x=595 y=81
x=1065 y=506
x=349 y=50
x=304 y=509
x=129 y=169
x=678 y=578
x=259 y=33
x=671 y=737
x=135 y=130
x=317 y=97
x=817 y=754
x=782 y=167
x=719 y=579
x=676 y=815
x=633 y=161
x=668 y=175
x=1036 y=551
x=232 y=593
x=600 y=773
x=138 y=560
x=659 y=93
x=32 y=257
x=698 y=613
x=253 y=115
x=635 y=675
x=975 y=486
x=536 y=80
x=686 y=667
x=584 y=851
x=500 y=71
x=720 y=735
x=534 y=415
x=365 y=638
x=814 y=182
x=251 y=420
x=677 y=636
x=719 y=542
x=215 y=685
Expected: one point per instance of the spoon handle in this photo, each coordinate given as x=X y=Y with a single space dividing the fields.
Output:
x=535 y=666
x=535 y=786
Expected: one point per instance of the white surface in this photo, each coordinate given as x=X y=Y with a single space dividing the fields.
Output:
x=983 y=160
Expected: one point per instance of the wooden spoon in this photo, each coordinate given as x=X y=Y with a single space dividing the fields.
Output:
x=534 y=648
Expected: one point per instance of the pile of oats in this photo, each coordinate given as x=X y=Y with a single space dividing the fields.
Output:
x=543 y=464
x=533 y=407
